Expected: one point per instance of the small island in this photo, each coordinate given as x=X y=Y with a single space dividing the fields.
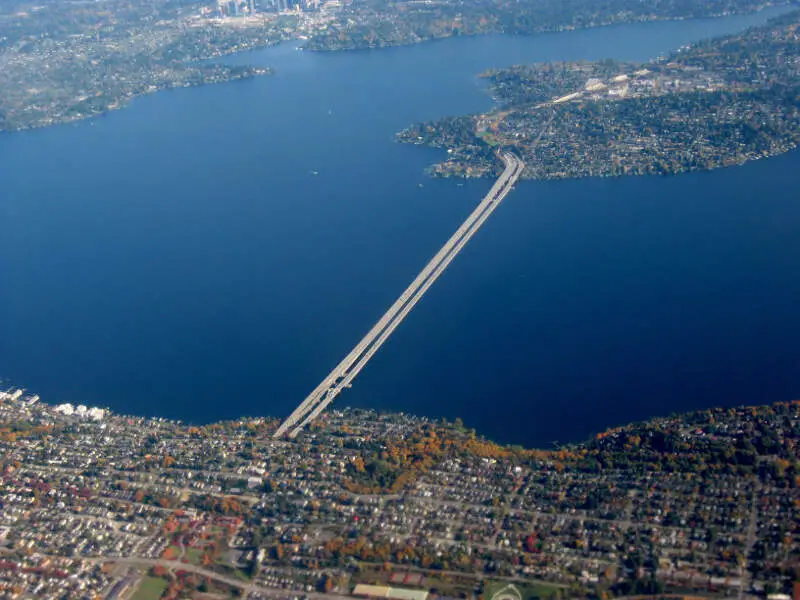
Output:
x=717 y=103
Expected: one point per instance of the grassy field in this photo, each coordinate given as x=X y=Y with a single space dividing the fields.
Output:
x=528 y=591
x=150 y=588
x=193 y=555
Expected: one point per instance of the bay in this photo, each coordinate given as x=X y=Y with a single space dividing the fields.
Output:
x=212 y=252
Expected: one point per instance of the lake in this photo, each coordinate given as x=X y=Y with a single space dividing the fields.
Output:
x=209 y=253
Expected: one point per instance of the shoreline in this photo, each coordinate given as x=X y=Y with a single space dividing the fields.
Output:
x=562 y=29
x=122 y=102
x=20 y=398
x=700 y=108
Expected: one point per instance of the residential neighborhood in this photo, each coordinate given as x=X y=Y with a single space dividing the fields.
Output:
x=716 y=103
x=99 y=505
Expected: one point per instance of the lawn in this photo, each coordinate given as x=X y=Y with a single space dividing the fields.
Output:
x=528 y=591
x=150 y=588
x=193 y=555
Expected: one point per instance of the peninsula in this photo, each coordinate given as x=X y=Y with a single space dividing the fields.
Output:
x=718 y=103
x=64 y=60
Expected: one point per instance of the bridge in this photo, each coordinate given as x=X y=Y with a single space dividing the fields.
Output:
x=343 y=374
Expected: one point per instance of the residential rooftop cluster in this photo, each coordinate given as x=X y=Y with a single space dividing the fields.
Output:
x=61 y=61
x=382 y=23
x=717 y=103
x=699 y=503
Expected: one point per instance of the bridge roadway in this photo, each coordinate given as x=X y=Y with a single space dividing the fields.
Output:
x=344 y=373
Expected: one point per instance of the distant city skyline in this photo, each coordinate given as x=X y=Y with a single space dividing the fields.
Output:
x=244 y=8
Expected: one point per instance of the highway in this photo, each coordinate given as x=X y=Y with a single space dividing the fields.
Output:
x=343 y=374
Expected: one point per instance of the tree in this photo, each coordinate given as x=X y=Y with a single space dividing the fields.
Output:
x=326 y=584
x=158 y=571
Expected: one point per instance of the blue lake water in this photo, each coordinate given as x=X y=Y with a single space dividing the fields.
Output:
x=180 y=258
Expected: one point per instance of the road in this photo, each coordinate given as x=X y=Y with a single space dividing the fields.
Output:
x=343 y=374
x=247 y=587
x=750 y=542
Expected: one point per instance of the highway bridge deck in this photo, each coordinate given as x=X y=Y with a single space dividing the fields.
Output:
x=343 y=374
